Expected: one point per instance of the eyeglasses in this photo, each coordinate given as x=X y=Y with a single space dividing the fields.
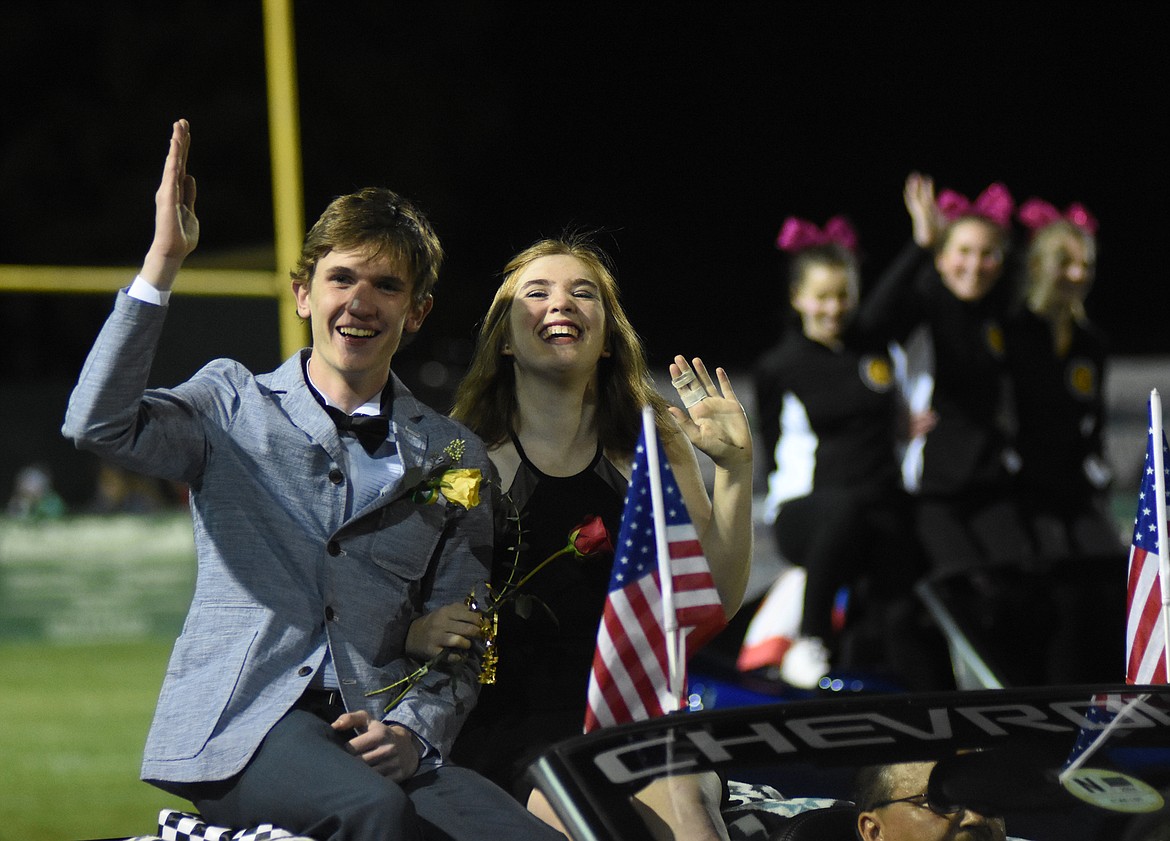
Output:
x=920 y=801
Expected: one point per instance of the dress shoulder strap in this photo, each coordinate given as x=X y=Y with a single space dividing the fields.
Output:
x=527 y=463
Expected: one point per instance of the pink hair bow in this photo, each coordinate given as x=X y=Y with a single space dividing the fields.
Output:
x=799 y=234
x=1036 y=213
x=994 y=203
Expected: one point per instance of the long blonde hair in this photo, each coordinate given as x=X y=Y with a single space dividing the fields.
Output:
x=486 y=397
x=1045 y=262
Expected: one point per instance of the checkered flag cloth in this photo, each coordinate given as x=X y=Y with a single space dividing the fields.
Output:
x=174 y=825
x=756 y=812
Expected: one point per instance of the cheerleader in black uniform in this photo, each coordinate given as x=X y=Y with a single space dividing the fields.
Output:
x=944 y=303
x=1057 y=359
x=829 y=415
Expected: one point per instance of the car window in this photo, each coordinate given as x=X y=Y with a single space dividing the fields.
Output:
x=1087 y=763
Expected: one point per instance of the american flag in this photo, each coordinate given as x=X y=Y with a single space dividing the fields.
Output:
x=1145 y=640
x=629 y=681
x=1096 y=719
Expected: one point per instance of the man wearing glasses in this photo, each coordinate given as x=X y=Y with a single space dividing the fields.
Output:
x=894 y=807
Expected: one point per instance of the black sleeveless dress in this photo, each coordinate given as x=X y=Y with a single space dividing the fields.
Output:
x=547 y=636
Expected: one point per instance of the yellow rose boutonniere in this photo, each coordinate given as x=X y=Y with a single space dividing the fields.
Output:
x=459 y=485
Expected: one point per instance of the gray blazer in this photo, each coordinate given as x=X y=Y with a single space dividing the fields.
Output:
x=280 y=569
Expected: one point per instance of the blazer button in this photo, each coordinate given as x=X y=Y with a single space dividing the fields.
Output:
x=304 y=671
x=336 y=476
x=333 y=548
x=329 y=612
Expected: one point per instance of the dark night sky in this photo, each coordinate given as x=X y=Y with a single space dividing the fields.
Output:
x=686 y=132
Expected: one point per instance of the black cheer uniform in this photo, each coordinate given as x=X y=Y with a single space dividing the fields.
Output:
x=1060 y=416
x=1074 y=594
x=1078 y=593
x=829 y=423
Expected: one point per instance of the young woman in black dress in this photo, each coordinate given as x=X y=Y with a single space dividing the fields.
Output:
x=556 y=389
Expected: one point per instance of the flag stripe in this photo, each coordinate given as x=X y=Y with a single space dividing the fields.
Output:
x=685 y=548
x=605 y=704
x=1142 y=578
x=615 y=699
x=637 y=656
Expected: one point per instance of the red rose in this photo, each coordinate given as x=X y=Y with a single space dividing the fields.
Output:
x=590 y=537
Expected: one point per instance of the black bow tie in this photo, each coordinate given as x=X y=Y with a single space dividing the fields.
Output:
x=370 y=430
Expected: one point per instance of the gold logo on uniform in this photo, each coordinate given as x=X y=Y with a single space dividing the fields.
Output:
x=876 y=373
x=993 y=334
x=1082 y=378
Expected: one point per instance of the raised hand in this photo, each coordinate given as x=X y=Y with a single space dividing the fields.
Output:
x=176 y=228
x=714 y=419
x=918 y=195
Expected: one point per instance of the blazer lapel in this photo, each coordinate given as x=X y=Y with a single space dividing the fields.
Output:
x=419 y=465
x=301 y=405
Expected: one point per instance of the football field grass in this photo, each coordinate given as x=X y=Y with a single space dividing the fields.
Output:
x=73 y=720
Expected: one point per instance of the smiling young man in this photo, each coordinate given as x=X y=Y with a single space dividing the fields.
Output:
x=363 y=291
x=318 y=540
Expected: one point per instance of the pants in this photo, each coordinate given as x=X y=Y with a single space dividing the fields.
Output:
x=839 y=537
x=1071 y=526
x=303 y=779
x=973 y=531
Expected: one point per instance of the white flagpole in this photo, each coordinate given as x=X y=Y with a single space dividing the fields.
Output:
x=665 y=568
x=1160 y=511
